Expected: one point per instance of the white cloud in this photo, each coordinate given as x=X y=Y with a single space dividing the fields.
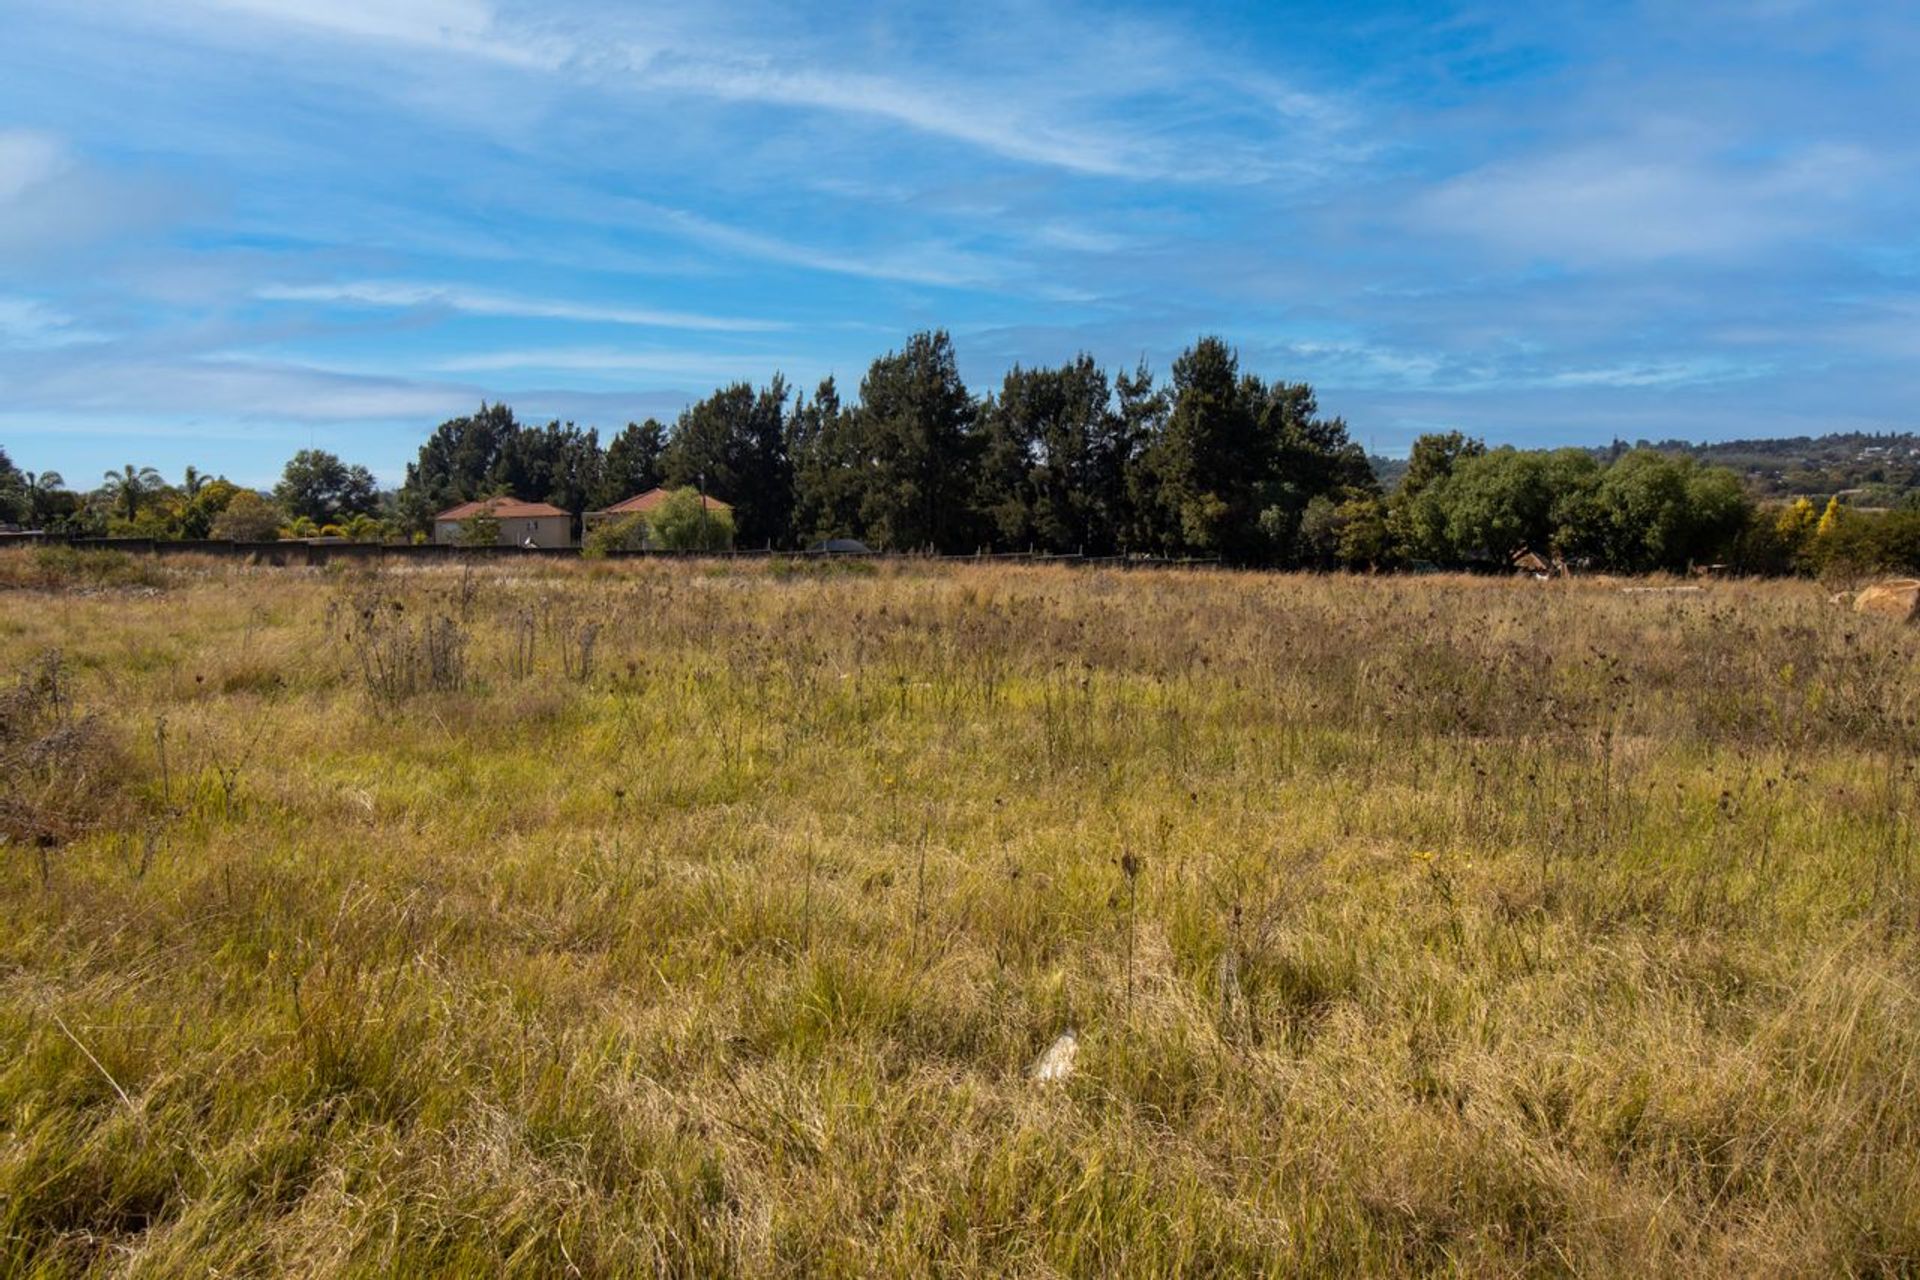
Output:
x=405 y=295
x=51 y=200
x=917 y=264
x=448 y=26
x=994 y=125
x=193 y=388
x=1639 y=201
x=613 y=360
x=1065 y=112
x=27 y=159
x=25 y=322
x=1659 y=373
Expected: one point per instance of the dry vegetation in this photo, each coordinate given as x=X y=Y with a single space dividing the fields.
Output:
x=652 y=919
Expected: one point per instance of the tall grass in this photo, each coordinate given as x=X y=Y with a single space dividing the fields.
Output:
x=709 y=921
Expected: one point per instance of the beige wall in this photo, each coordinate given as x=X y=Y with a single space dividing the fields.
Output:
x=545 y=531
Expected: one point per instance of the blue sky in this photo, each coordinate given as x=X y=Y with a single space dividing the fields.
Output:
x=229 y=228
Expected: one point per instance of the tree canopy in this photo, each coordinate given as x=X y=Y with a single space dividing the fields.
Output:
x=319 y=486
x=1215 y=461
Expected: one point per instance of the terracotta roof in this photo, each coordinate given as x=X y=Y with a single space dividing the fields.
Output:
x=500 y=509
x=652 y=498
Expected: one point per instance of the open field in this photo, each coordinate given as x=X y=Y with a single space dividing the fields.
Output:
x=670 y=919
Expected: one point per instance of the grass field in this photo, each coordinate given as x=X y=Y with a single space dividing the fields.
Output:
x=694 y=920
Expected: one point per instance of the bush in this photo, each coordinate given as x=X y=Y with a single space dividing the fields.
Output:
x=482 y=530
x=626 y=534
x=247 y=517
x=1850 y=543
x=52 y=568
x=680 y=524
x=58 y=772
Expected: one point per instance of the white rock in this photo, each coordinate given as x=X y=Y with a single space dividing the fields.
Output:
x=1057 y=1062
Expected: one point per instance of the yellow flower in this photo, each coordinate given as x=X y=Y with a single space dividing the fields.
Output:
x=1423 y=855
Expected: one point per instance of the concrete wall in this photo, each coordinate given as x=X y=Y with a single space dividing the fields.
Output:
x=542 y=531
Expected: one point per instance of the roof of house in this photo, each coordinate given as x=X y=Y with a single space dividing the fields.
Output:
x=501 y=508
x=652 y=498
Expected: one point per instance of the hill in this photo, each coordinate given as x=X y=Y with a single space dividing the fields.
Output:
x=1872 y=469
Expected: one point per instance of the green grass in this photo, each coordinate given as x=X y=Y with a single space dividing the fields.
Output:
x=1482 y=927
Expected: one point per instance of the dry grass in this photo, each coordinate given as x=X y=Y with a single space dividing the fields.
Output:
x=1407 y=926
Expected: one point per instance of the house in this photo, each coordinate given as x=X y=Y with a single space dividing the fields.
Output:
x=1532 y=563
x=641 y=504
x=522 y=524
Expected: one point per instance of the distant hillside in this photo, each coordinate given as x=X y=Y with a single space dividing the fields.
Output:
x=1388 y=471
x=1871 y=469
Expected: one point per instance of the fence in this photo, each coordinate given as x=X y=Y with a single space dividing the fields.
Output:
x=313 y=554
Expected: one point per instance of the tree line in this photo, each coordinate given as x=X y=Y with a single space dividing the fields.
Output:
x=1213 y=461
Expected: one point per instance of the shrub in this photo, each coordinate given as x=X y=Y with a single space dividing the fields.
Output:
x=681 y=524
x=398 y=660
x=364 y=528
x=480 y=530
x=52 y=568
x=626 y=534
x=58 y=772
x=247 y=517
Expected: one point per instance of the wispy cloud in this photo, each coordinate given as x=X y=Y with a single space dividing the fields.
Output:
x=407 y=295
x=449 y=26
x=213 y=388
x=929 y=264
x=28 y=158
x=25 y=322
x=377 y=211
x=690 y=365
x=1064 y=113
x=1642 y=200
x=990 y=124
x=1663 y=373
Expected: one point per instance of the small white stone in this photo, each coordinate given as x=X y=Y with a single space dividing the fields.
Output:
x=1057 y=1062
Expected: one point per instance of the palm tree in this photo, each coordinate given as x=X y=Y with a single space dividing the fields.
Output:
x=131 y=484
x=40 y=484
x=193 y=483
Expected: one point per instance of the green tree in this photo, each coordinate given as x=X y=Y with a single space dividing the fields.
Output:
x=632 y=464
x=129 y=487
x=1240 y=460
x=1660 y=511
x=628 y=533
x=733 y=445
x=1212 y=458
x=48 y=503
x=1416 y=513
x=480 y=530
x=1365 y=540
x=558 y=463
x=247 y=517
x=197 y=513
x=1141 y=408
x=1055 y=457
x=830 y=466
x=915 y=436
x=1509 y=500
x=683 y=522
x=16 y=502
x=365 y=528
x=1320 y=528
x=318 y=485
x=458 y=463
x=1311 y=457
